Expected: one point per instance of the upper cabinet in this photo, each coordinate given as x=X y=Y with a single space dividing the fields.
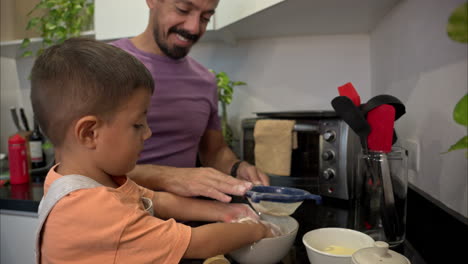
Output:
x=231 y=11
x=119 y=18
x=115 y=19
x=237 y=19
x=242 y=19
x=303 y=17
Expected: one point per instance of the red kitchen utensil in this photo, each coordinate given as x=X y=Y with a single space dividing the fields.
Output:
x=349 y=91
x=381 y=120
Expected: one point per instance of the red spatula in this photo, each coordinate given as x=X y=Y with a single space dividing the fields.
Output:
x=349 y=91
x=381 y=120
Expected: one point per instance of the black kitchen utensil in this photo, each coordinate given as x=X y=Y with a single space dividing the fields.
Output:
x=24 y=119
x=351 y=114
x=390 y=219
x=14 y=116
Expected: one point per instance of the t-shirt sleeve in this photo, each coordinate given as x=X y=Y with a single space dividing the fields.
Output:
x=152 y=240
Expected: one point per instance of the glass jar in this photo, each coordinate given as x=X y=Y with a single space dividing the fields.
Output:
x=381 y=192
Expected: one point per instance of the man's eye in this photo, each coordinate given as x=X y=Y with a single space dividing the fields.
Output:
x=138 y=126
x=205 y=19
x=183 y=11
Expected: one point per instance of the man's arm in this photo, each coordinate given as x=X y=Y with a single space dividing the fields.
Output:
x=189 y=182
x=215 y=153
x=169 y=205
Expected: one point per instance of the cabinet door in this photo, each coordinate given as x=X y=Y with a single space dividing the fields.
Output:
x=17 y=237
x=230 y=11
x=114 y=19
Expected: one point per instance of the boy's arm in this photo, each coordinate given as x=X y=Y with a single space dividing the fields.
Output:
x=221 y=238
x=168 y=205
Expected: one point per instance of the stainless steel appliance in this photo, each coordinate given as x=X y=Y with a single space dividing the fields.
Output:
x=323 y=163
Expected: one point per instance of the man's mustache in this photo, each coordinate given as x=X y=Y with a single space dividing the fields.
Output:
x=185 y=34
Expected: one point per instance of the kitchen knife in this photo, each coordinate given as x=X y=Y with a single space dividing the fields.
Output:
x=14 y=116
x=24 y=119
x=349 y=91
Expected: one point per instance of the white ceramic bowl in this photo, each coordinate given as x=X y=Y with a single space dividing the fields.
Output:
x=318 y=243
x=269 y=250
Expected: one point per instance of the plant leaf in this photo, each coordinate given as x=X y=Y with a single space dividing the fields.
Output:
x=27 y=54
x=460 y=113
x=461 y=144
x=457 y=28
x=25 y=43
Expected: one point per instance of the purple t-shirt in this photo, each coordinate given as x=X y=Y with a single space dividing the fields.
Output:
x=184 y=105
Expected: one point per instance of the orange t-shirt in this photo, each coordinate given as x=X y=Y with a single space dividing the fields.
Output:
x=107 y=225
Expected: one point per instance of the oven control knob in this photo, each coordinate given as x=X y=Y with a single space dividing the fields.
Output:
x=328 y=174
x=328 y=155
x=329 y=135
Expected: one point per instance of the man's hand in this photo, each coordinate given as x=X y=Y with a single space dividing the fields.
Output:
x=206 y=182
x=252 y=174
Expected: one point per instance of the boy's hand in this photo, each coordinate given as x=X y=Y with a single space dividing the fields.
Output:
x=269 y=229
x=236 y=211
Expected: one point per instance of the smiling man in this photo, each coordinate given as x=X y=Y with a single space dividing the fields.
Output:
x=184 y=109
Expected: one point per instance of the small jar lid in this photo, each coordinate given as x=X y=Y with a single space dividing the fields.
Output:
x=380 y=253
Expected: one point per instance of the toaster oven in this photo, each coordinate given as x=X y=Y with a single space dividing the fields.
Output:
x=325 y=158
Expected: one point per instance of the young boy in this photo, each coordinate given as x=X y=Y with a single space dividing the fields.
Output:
x=90 y=99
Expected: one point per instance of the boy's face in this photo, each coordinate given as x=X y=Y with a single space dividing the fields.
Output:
x=179 y=24
x=121 y=139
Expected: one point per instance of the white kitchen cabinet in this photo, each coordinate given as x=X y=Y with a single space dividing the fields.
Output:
x=230 y=11
x=114 y=19
x=17 y=237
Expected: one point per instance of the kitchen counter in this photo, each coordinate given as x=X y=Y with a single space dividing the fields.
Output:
x=21 y=197
x=426 y=223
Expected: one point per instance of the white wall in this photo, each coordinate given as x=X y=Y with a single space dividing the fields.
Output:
x=413 y=59
x=293 y=73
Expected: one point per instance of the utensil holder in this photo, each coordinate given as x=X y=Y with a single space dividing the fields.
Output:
x=381 y=192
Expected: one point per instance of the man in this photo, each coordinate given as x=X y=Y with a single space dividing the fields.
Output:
x=185 y=109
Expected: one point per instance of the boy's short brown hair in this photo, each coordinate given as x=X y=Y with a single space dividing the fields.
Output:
x=82 y=77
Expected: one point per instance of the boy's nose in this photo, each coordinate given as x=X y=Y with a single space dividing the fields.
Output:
x=147 y=133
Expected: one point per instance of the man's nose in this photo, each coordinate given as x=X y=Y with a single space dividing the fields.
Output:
x=192 y=24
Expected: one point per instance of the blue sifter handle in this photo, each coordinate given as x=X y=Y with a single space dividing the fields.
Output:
x=317 y=198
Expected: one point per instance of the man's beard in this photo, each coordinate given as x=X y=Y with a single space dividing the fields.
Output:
x=176 y=52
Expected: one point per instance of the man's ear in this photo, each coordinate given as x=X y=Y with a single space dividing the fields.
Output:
x=86 y=131
x=151 y=3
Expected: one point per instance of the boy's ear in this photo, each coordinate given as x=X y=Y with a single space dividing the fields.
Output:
x=86 y=131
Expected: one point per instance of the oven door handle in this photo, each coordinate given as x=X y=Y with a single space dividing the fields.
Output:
x=305 y=128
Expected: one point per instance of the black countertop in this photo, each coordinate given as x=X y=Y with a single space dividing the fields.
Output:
x=428 y=226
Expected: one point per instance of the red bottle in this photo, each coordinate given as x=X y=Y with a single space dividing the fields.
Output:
x=18 y=160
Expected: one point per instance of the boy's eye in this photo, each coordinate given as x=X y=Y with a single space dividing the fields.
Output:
x=137 y=126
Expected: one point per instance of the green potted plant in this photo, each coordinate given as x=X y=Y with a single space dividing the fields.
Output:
x=225 y=92
x=457 y=30
x=56 y=21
